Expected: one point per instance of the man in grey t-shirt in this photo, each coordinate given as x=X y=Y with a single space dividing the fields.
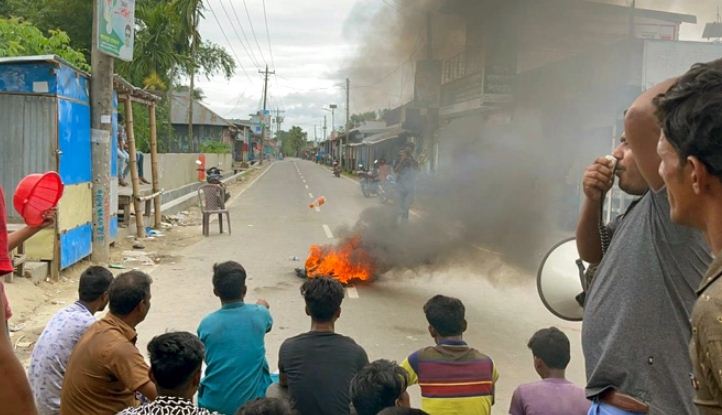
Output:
x=636 y=318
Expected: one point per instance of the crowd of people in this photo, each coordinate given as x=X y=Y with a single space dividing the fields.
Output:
x=651 y=337
x=83 y=366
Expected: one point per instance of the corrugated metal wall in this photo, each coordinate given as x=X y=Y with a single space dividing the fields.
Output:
x=26 y=144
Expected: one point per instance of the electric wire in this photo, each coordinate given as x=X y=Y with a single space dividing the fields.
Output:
x=245 y=37
x=230 y=45
x=250 y=55
x=253 y=32
x=268 y=36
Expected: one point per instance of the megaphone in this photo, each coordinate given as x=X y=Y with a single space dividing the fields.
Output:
x=559 y=280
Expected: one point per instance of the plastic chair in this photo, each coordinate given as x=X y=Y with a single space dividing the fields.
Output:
x=211 y=198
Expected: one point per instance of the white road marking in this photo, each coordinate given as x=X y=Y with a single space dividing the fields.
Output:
x=306 y=187
x=351 y=292
x=326 y=229
x=318 y=209
x=310 y=195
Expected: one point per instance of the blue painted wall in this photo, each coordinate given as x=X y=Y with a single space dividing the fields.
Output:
x=75 y=244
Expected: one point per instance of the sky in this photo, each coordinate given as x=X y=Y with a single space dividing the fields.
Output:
x=308 y=45
x=310 y=40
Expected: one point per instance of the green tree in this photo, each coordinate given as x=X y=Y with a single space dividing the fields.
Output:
x=292 y=141
x=19 y=38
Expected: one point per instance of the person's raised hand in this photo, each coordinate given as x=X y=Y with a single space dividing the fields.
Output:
x=50 y=218
x=598 y=178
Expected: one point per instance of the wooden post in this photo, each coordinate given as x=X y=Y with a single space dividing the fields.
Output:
x=140 y=229
x=154 y=164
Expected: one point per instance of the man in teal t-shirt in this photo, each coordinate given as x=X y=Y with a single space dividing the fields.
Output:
x=236 y=366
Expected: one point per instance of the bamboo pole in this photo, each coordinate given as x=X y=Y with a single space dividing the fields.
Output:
x=140 y=229
x=154 y=165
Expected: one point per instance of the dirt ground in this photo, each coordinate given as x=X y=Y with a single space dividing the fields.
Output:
x=33 y=305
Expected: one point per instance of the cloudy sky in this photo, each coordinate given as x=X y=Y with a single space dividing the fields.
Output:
x=310 y=41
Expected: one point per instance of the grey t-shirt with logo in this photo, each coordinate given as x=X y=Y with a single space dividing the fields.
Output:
x=636 y=326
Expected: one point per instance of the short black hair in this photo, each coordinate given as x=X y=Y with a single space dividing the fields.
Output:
x=266 y=406
x=174 y=358
x=689 y=114
x=377 y=386
x=127 y=290
x=229 y=280
x=551 y=346
x=446 y=315
x=398 y=410
x=323 y=297
x=94 y=282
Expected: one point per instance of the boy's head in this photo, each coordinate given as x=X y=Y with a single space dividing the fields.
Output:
x=93 y=286
x=379 y=385
x=266 y=406
x=323 y=298
x=229 y=281
x=445 y=316
x=175 y=363
x=550 y=348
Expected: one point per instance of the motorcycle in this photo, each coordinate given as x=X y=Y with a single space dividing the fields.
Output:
x=387 y=190
x=214 y=175
x=336 y=169
x=370 y=182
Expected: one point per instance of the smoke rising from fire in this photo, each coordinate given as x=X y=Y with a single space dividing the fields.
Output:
x=506 y=180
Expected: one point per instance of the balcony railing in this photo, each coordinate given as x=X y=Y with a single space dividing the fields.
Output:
x=465 y=63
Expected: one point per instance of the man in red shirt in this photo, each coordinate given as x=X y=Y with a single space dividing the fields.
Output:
x=15 y=391
x=8 y=242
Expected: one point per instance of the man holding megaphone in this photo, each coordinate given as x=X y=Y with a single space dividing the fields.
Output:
x=636 y=315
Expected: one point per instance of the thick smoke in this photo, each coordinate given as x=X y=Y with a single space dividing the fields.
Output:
x=511 y=185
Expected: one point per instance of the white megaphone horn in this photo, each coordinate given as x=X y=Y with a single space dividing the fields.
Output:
x=559 y=281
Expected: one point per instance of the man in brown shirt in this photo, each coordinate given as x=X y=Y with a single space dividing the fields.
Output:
x=106 y=369
x=690 y=147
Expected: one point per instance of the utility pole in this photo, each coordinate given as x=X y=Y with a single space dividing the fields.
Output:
x=325 y=136
x=347 y=128
x=265 y=99
x=194 y=46
x=101 y=112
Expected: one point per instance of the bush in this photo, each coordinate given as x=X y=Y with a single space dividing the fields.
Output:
x=212 y=146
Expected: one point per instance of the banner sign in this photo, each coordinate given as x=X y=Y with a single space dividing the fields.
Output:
x=116 y=28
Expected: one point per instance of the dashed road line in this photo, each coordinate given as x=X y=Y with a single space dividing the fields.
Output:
x=351 y=292
x=310 y=195
x=318 y=209
x=327 y=230
x=306 y=187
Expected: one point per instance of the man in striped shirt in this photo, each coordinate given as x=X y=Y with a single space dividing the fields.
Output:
x=454 y=378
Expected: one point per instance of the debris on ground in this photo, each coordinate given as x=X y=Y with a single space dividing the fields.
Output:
x=294 y=258
x=183 y=218
x=138 y=245
x=139 y=258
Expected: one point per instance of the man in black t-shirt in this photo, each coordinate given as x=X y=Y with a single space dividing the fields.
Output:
x=317 y=367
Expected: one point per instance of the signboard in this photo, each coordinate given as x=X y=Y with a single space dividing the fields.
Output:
x=116 y=27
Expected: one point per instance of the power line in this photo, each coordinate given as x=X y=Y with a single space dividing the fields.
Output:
x=253 y=32
x=245 y=37
x=253 y=58
x=229 y=43
x=268 y=35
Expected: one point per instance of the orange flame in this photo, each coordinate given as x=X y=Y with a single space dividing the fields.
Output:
x=346 y=262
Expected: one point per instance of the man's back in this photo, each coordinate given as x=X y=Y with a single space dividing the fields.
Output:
x=52 y=352
x=236 y=366
x=319 y=367
x=104 y=371
x=454 y=379
x=636 y=320
x=549 y=397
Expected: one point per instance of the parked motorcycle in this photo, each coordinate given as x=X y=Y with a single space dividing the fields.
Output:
x=369 y=181
x=387 y=190
x=214 y=175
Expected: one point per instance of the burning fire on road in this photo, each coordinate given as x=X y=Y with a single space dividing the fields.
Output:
x=346 y=262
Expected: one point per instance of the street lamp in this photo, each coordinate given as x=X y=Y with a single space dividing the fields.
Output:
x=332 y=108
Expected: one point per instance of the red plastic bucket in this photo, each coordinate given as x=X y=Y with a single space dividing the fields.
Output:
x=36 y=194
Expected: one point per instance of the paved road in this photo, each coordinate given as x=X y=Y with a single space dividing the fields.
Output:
x=272 y=222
